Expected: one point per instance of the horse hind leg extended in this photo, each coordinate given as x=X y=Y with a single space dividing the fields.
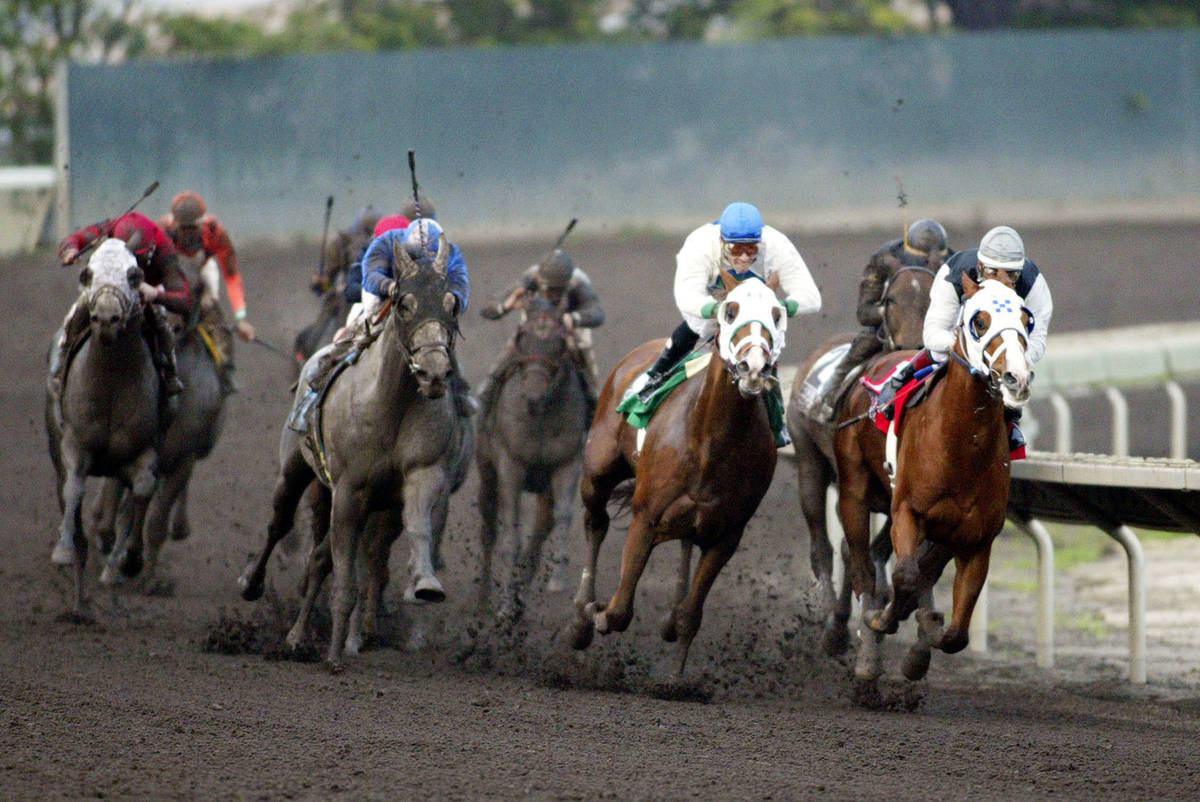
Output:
x=970 y=574
x=142 y=483
x=158 y=518
x=555 y=512
x=596 y=491
x=683 y=575
x=295 y=475
x=814 y=475
x=488 y=514
x=690 y=611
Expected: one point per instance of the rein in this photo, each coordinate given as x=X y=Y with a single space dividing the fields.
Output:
x=123 y=300
x=884 y=333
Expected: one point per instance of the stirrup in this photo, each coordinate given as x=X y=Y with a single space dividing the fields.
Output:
x=653 y=382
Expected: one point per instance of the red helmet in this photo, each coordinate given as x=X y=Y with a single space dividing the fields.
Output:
x=390 y=222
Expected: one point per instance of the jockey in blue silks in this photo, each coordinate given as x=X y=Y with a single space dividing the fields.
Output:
x=420 y=239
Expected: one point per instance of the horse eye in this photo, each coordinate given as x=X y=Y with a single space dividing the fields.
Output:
x=407 y=305
x=979 y=324
x=777 y=315
x=85 y=276
x=731 y=312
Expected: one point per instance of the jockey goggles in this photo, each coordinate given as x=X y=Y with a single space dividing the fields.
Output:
x=740 y=248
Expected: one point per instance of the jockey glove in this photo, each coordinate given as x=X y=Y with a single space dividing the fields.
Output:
x=709 y=310
x=792 y=306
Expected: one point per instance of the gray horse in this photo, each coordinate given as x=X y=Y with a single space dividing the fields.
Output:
x=531 y=439
x=107 y=421
x=190 y=436
x=905 y=299
x=385 y=439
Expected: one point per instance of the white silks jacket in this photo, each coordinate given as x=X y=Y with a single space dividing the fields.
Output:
x=941 y=320
x=697 y=273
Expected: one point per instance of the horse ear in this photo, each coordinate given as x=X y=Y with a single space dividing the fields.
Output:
x=443 y=256
x=405 y=265
x=134 y=276
x=85 y=276
x=728 y=279
x=970 y=286
x=774 y=284
x=135 y=241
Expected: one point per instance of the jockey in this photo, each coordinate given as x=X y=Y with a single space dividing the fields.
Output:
x=1000 y=256
x=923 y=244
x=354 y=275
x=204 y=245
x=742 y=244
x=554 y=278
x=164 y=287
x=341 y=254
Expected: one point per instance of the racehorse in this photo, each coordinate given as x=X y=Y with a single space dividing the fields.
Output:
x=948 y=490
x=905 y=299
x=706 y=461
x=386 y=438
x=531 y=439
x=106 y=420
x=190 y=436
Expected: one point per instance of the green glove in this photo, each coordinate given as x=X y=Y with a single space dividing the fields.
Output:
x=709 y=310
x=792 y=306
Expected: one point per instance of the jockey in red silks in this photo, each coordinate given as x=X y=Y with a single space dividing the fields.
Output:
x=164 y=287
x=204 y=246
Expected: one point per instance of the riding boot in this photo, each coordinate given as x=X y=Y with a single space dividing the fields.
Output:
x=590 y=379
x=903 y=376
x=1016 y=440
x=73 y=328
x=683 y=339
x=865 y=345
x=162 y=345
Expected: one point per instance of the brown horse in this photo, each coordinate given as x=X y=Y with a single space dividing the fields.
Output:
x=905 y=299
x=707 y=458
x=948 y=490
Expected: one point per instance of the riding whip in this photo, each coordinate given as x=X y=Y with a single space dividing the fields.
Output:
x=563 y=236
x=109 y=224
x=324 y=239
x=412 y=171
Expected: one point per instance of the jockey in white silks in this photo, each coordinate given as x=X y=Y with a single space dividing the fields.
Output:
x=1000 y=256
x=743 y=245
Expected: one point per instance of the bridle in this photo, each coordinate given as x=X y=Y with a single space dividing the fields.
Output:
x=555 y=367
x=884 y=333
x=407 y=329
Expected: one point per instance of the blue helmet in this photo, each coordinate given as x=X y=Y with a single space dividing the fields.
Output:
x=741 y=222
x=421 y=238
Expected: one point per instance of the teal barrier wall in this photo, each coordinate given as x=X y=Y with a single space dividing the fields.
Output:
x=654 y=136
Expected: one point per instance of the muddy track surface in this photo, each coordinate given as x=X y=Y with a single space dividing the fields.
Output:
x=147 y=702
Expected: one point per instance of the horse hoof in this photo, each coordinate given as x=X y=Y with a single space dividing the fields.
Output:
x=667 y=630
x=250 y=591
x=429 y=589
x=181 y=532
x=353 y=646
x=335 y=667
x=63 y=555
x=835 y=641
x=110 y=575
x=132 y=565
x=556 y=584
x=579 y=633
x=916 y=663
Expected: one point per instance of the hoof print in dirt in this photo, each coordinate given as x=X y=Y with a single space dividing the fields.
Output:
x=869 y=695
x=685 y=691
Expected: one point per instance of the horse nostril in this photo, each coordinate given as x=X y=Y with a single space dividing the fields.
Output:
x=113 y=319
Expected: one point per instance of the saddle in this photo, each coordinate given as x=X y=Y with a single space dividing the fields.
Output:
x=908 y=396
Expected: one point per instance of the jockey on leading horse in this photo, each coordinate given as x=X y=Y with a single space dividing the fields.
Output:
x=559 y=281
x=743 y=245
x=164 y=286
x=204 y=245
x=1000 y=256
x=923 y=245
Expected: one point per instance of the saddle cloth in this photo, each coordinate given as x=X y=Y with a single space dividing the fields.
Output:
x=817 y=384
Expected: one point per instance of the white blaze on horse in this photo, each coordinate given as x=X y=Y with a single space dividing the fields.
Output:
x=106 y=421
x=948 y=492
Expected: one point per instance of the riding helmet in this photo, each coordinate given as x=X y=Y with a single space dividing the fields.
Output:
x=187 y=208
x=741 y=222
x=1002 y=248
x=924 y=236
x=410 y=211
x=555 y=269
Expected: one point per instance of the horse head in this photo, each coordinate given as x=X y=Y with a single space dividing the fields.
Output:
x=542 y=348
x=423 y=309
x=905 y=301
x=110 y=283
x=992 y=333
x=750 y=335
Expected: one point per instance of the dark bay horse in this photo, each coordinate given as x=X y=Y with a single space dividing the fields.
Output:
x=703 y=466
x=949 y=492
x=905 y=299
x=386 y=440
x=107 y=420
x=191 y=433
x=531 y=440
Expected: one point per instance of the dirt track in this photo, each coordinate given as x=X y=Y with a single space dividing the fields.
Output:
x=132 y=708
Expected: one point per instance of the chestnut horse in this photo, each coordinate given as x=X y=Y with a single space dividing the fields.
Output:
x=905 y=299
x=948 y=492
x=706 y=461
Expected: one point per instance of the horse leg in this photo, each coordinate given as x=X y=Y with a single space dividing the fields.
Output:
x=320 y=504
x=377 y=547
x=142 y=483
x=563 y=485
x=512 y=550
x=158 y=518
x=616 y=615
x=320 y=563
x=349 y=513
x=71 y=548
x=690 y=611
x=906 y=578
x=860 y=570
x=294 y=478
x=104 y=514
x=354 y=628
x=814 y=476
x=916 y=660
x=180 y=526
x=423 y=487
x=487 y=530
x=683 y=575
x=595 y=491
x=970 y=574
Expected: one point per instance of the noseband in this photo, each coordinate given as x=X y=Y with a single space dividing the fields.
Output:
x=123 y=301
x=885 y=333
x=554 y=327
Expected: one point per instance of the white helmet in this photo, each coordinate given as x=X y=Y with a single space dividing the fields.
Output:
x=1002 y=249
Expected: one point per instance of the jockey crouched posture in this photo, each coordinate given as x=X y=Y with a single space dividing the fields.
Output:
x=354 y=276
x=1000 y=256
x=164 y=287
x=203 y=245
x=923 y=244
x=555 y=277
x=343 y=254
x=422 y=241
x=746 y=247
